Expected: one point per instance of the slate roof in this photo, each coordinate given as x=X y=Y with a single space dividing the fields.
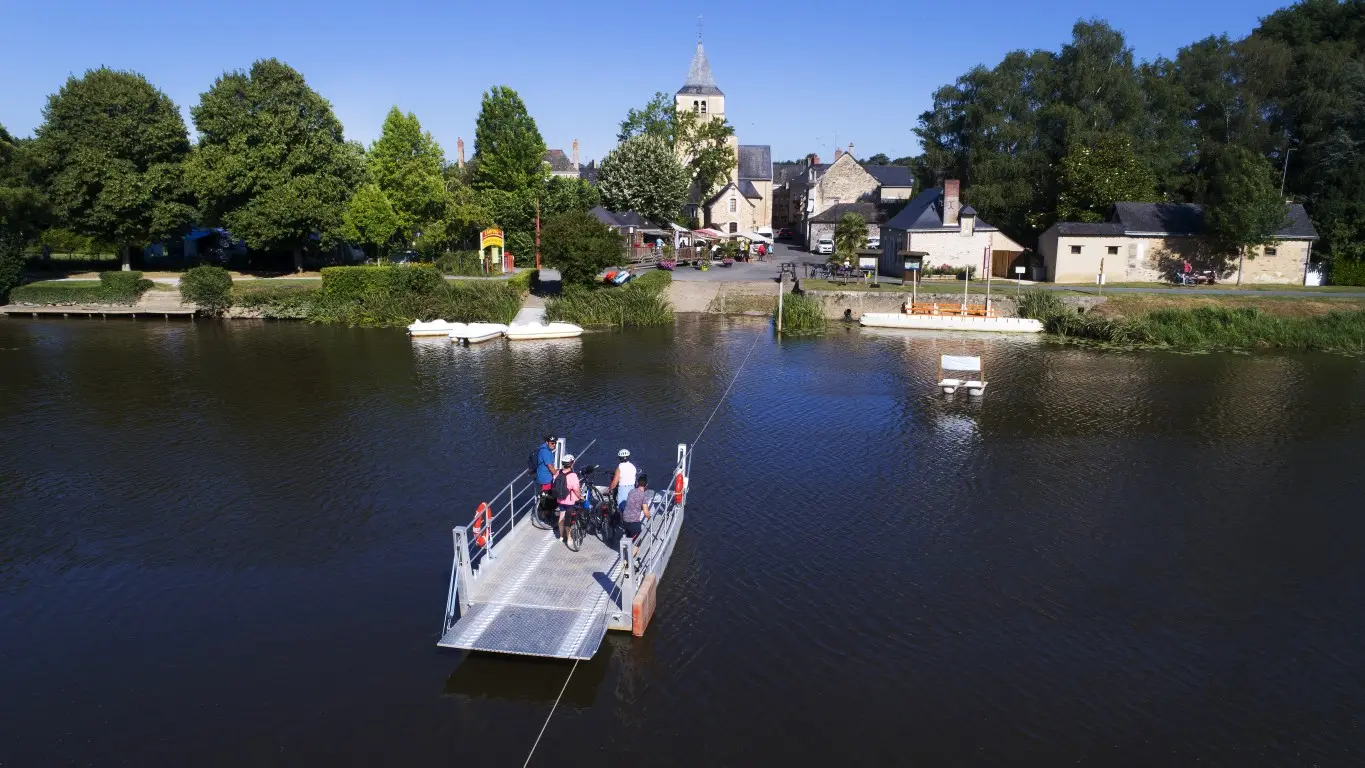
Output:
x=1188 y=219
x=755 y=161
x=967 y=210
x=747 y=188
x=1075 y=228
x=699 y=78
x=784 y=172
x=614 y=219
x=588 y=173
x=733 y=185
x=891 y=175
x=870 y=211
x=925 y=214
x=559 y=162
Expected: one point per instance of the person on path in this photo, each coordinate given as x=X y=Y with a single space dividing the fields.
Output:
x=1187 y=268
x=635 y=510
x=623 y=480
x=567 y=493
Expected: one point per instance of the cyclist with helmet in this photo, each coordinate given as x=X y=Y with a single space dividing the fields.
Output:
x=567 y=492
x=623 y=480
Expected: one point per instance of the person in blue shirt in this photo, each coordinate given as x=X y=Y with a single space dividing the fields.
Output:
x=545 y=462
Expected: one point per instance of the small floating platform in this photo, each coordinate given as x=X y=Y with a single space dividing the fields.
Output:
x=516 y=589
x=950 y=322
x=49 y=310
x=962 y=364
x=531 y=331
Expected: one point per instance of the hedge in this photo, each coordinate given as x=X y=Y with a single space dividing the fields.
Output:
x=112 y=288
x=361 y=283
x=209 y=287
x=1348 y=272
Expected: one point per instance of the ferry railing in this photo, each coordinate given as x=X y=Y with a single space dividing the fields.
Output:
x=659 y=531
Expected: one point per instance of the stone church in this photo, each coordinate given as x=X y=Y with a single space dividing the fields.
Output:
x=744 y=203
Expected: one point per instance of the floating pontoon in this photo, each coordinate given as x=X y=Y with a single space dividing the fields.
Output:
x=529 y=331
x=432 y=328
x=474 y=333
x=960 y=364
x=515 y=588
x=950 y=321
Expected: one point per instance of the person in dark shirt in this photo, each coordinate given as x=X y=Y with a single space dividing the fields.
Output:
x=636 y=510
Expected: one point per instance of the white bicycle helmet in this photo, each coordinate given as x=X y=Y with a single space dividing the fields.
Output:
x=567 y=460
x=623 y=453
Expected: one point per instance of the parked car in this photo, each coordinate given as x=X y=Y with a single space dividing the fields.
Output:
x=784 y=234
x=824 y=246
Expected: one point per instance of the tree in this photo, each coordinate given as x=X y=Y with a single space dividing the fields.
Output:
x=878 y=159
x=1242 y=205
x=579 y=246
x=406 y=163
x=850 y=236
x=22 y=210
x=567 y=194
x=110 y=150
x=657 y=119
x=272 y=164
x=1098 y=174
x=704 y=143
x=370 y=219
x=509 y=151
x=643 y=175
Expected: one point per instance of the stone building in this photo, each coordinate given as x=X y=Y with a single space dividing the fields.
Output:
x=1149 y=242
x=561 y=164
x=805 y=196
x=744 y=204
x=947 y=233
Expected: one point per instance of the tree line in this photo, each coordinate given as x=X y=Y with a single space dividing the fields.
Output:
x=112 y=162
x=1061 y=135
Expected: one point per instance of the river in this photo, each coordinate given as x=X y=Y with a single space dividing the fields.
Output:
x=229 y=544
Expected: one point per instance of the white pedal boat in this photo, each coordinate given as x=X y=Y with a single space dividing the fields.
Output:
x=474 y=333
x=432 y=328
x=543 y=331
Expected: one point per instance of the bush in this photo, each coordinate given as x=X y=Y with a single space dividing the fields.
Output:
x=521 y=281
x=579 y=246
x=802 y=314
x=368 y=283
x=277 y=301
x=123 y=287
x=1347 y=272
x=59 y=292
x=1040 y=305
x=209 y=287
x=641 y=302
x=11 y=268
x=460 y=263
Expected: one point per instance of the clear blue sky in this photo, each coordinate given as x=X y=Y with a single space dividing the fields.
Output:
x=796 y=74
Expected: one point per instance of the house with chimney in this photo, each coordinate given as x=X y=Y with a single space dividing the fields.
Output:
x=562 y=165
x=944 y=232
x=813 y=197
x=1150 y=242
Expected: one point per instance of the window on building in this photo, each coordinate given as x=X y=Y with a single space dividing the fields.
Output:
x=703 y=107
x=734 y=227
x=696 y=106
x=1270 y=250
x=1113 y=250
x=734 y=205
x=1075 y=249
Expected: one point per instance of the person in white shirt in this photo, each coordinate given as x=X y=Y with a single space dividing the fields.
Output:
x=623 y=481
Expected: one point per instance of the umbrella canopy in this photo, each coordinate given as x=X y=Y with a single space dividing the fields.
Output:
x=757 y=238
x=709 y=234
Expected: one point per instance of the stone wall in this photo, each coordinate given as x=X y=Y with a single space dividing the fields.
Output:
x=718 y=215
x=839 y=305
x=844 y=182
x=952 y=248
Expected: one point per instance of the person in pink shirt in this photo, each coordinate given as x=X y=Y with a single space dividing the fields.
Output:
x=567 y=492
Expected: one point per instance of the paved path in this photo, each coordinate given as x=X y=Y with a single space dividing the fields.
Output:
x=532 y=311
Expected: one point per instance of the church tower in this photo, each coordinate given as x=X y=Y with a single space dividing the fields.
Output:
x=699 y=93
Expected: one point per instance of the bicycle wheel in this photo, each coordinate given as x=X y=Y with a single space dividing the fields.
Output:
x=576 y=533
x=606 y=528
x=538 y=513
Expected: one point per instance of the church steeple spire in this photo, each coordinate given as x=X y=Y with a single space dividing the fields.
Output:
x=699 y=77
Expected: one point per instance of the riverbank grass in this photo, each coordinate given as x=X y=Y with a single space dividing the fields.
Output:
x=802 y=314
x=639 y=303
x=1229 y=325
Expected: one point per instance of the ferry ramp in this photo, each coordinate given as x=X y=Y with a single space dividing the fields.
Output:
x=517 y=588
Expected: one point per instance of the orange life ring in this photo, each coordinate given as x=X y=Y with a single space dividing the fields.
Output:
x=483 y=523
x=678 y=488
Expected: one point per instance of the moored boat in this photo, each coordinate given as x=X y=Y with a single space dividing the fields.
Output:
x=950 y=322
x=531 y=331
x=432 y=328
x=474 y=333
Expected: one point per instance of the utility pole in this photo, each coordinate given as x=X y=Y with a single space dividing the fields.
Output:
x=1285 y=173
x=537 y=233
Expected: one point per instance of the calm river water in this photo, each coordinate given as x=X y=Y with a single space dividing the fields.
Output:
x=229 y=544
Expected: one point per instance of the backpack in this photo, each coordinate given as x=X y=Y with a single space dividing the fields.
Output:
x=560 y=487
x=532 y=461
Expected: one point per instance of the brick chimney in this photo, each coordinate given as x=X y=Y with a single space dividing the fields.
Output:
x=837 y=154
x=459 y=152
x=952 y=202
x=575 y=154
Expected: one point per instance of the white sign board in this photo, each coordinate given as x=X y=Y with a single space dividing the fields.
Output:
x=867 y=262
x=1018 y=270
x=960 y=363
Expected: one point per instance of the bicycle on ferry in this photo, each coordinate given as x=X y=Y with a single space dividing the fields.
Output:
x=594 y=514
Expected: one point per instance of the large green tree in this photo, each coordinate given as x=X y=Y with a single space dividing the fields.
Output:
x=1242 y=205
x=643 y=175
x=579 y=246
x=1097 y=174
x=272 y=164
x=370 y=219
x=702 y=143
x=111 y=150
x=509 y=152
x=406 y=163
x=23 y=209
